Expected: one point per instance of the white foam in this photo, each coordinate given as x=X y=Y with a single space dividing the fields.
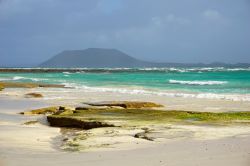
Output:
x=67 y=73
x=18 y=78
x=239 y=69
x=197 y=82
x=26 y=78
x=71 y=85
x=194 y=69
x=137 y=91
x=4 y=79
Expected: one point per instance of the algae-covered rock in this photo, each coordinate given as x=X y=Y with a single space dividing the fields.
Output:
x=60 y=110
x=116 y=122
x=33 y=95
x=48 y=110
x=127 y=104
x=141 y=117
x=128 y=116
x=67 y=121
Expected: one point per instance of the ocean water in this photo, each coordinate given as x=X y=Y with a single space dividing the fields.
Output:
x=212 y=83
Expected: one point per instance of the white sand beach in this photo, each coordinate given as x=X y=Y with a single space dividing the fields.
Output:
x=124 y=83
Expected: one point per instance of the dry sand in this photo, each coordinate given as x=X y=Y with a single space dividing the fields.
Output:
x=233 y=151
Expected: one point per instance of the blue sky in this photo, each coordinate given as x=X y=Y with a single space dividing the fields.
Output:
x=31 y=31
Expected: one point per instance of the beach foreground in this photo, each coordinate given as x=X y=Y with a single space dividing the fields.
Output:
x=29 y=139
x=231 y=151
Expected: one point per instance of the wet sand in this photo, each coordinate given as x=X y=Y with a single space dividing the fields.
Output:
x=75 y=96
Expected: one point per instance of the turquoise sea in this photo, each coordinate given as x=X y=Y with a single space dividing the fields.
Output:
x=211 y=82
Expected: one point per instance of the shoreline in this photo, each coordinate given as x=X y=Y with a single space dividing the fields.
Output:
x=71 y=96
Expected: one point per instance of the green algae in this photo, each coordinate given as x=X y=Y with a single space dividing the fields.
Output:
x=145 y=114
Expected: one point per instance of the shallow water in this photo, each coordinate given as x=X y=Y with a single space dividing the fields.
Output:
x=211 y=83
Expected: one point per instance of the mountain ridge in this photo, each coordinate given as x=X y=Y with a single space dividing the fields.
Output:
x=113 y=58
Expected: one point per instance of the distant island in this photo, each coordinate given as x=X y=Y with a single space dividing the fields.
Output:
x=112 y=58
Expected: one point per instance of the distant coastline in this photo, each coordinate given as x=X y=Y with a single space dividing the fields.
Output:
x=100 y=70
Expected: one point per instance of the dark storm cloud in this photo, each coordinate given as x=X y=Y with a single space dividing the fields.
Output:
x=164 y=30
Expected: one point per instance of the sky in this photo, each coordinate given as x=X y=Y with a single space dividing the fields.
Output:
x=185 y=31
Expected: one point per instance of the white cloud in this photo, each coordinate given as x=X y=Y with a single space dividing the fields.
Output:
x=102 y=38
x=157 y=21
x=212 y=14
x=175 y=19
x=170 y=19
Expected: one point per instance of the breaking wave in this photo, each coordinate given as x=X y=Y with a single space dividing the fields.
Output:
x=197 y=82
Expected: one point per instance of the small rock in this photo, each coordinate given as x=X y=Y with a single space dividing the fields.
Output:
x=143 y=135
x=33 y=95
